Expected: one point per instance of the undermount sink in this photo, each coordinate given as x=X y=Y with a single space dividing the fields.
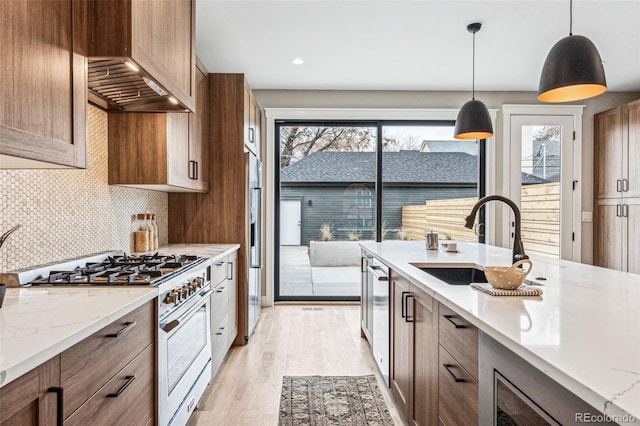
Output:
x=457 y=275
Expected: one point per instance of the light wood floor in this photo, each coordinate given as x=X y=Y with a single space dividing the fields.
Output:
x=290 y=340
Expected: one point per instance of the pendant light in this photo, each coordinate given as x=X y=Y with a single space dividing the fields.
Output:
x=573 y=69
x=474 y=121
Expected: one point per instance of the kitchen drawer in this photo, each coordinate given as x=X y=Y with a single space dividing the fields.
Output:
x=460 y=339
x=219 y=305
x=458 y=400
x=219 y=271
x=219 y=344
x=134 y=403
x=88 y=365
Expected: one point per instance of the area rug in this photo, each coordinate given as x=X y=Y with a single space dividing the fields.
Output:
x=332 y=400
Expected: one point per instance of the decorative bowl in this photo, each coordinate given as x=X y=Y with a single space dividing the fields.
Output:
x=507 y=277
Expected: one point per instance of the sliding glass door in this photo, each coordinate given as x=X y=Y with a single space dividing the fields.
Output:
x=341 y=183
x=327 y=204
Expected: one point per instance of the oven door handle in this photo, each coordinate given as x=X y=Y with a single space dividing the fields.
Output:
x=176 y=322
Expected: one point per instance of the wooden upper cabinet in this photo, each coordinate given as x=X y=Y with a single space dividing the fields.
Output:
x=151 y=151
x=43 y=84
x=608 y=153
x=158 y=38
x=631 y=138
x=162 y=151
x=252 y=122
x=199 y=132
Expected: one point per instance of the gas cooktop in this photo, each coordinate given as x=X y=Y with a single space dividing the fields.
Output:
x=112 y=269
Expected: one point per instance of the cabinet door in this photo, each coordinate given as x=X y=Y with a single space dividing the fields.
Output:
x=401 y=368
x=425 y=359
x=632 y=148
x=198 y=138
x=608 y=142
x=608 y=234
x=162 y=42
x=632 y=210
x=247 y=116
x=364 y=299
x=43 y=82
x=179 y=170
x=27 y=400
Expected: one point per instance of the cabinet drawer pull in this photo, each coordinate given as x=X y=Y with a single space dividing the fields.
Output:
x=230 y=271
x=456 y=325
x=197 y=172
x=220 y=289
x=456 y=379
x=59 y=404
x=618 y=210
x=252 y=135
x=404 y=306
x=128 y=381
x=127 y=326
x=219 y=263
x=408 y=318
x=220 y=331
x=625 y=210
x=625 y=185
x=618 y=185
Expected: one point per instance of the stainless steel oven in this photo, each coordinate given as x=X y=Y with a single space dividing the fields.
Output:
x=184 y=346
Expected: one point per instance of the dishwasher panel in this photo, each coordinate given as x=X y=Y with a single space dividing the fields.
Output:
x=379 y=274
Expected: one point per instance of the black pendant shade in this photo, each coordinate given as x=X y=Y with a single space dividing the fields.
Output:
x=473 y=122
x=573 y=71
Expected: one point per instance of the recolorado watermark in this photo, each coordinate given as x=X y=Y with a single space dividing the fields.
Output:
x=604 y=418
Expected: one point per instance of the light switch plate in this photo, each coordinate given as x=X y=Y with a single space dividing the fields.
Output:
x=587 y=216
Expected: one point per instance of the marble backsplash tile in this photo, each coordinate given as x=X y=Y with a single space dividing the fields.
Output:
x=70 y=213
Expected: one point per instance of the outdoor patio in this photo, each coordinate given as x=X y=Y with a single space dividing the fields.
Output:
x=299 y=278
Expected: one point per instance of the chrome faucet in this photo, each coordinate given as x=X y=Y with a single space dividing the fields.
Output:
x=518 y=247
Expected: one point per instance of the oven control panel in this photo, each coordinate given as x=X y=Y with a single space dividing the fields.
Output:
x=182 y=291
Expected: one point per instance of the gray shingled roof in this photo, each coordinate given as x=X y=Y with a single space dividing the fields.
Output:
x=398 y=167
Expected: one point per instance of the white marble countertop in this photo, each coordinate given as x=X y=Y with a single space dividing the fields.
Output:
x=38 y=323
x=584 y=331
x=213 y=252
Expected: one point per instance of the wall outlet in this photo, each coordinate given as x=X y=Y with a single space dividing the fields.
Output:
x=587 y=216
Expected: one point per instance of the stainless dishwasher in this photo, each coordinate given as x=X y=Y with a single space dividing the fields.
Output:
x=379 y=276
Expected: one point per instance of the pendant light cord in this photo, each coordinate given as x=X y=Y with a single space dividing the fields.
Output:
x=570 y=17
x=473 y=69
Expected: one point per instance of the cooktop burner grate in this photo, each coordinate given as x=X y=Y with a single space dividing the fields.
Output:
x=121 y=270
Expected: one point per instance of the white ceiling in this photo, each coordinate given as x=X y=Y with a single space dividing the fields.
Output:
x=410 y=45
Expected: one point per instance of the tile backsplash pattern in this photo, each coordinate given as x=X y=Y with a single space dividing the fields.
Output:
x=71 y=213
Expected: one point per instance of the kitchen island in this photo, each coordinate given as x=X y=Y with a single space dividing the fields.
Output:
x=583 y=332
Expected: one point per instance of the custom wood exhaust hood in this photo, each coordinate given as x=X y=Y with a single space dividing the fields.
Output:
x=141 y=54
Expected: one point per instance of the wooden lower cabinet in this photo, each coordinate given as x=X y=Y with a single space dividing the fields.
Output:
x=125 y=399
x=434 y=359
x=106 y=379
x=400 y=370
x=29 y=400
x=425 y=353
x=414 y=370
x=457 y=393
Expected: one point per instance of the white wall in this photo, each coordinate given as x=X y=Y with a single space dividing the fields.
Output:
x=414 y=99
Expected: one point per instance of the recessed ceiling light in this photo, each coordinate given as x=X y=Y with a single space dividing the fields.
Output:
x=297 y=61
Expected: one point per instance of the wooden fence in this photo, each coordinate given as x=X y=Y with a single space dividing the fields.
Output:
x=540 y=218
